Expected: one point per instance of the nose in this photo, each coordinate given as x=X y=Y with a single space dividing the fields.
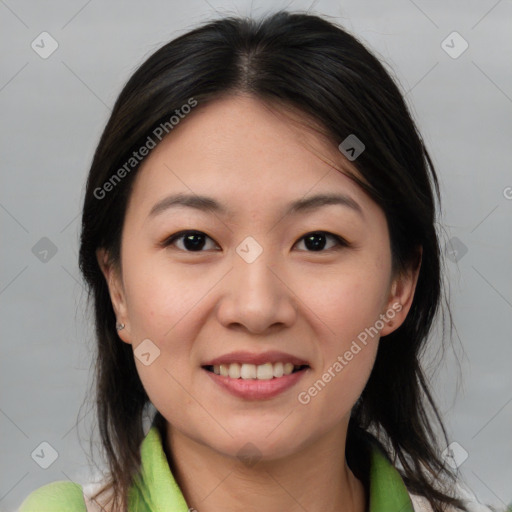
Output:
x=256 y=296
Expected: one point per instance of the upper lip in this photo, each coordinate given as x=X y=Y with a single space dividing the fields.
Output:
x=256 y=359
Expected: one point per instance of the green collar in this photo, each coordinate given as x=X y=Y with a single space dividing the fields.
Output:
x=157 y=490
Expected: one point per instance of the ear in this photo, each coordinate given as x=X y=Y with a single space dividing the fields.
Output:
x=401 y=296
x=116 y=291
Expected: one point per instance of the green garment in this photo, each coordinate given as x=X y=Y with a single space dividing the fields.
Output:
x=157 y=490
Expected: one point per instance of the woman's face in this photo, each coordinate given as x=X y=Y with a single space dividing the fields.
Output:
x=248 y=287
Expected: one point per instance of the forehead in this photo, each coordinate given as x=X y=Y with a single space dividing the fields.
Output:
x=243 y=152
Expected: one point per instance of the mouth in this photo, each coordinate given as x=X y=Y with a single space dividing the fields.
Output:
x=247 y=371
x=253 y=382
x=256 y=376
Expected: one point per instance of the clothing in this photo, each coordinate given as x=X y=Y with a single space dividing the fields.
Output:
x=157 y=490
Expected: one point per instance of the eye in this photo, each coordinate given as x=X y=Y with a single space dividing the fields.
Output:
x=197 y=241
x=317 y=241
x=190 y=241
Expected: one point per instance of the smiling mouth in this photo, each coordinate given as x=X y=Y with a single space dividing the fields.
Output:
x=266 y=371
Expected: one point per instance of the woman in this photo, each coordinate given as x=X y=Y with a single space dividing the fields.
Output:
x=259 y=239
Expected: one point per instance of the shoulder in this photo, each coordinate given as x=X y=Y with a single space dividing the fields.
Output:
x=421 y=504
x=61 y=496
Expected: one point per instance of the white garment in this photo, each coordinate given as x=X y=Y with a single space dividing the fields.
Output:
x=421 y=504
x=89 y=490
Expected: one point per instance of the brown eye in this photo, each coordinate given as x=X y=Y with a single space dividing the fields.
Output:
x=189 y=241
x=318 y=240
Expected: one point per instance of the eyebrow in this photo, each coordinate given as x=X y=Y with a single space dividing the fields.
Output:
x=208 y=204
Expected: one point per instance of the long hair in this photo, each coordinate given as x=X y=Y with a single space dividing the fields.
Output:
x=307 y=64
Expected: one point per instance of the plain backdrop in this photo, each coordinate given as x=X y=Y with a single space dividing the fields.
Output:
x=53 y=110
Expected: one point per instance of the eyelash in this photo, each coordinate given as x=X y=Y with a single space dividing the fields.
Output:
x=341 y=242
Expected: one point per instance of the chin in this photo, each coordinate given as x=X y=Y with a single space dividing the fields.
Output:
x=254 y=446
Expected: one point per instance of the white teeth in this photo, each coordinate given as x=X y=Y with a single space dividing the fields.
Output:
x=288 y=368
x=234 y=371
x=265 y=371
x=278 y=370
x=247 y=371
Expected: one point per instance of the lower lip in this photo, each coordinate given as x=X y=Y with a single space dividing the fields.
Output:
x=253 y=389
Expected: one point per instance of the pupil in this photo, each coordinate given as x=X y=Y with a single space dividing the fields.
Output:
x=194 y=242
x=315 y=242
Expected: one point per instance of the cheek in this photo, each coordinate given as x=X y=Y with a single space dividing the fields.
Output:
x=345 y=307
x=160 y=296
x=347 y=300
x=347 y=348
x=160 y=304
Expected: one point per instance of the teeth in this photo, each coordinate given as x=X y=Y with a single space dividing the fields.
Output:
x=246 y=371
x=278 y=370
x=234 y=371
x=288 y=368
x=265 y=371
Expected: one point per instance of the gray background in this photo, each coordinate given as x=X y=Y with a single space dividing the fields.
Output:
x=53 y=111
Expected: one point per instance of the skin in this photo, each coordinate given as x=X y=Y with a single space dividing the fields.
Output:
x=195 y=306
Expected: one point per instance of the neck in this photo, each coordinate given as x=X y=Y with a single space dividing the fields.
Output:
x=316 y=479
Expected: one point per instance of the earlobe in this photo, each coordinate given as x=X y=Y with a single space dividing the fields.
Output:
x=116 y=292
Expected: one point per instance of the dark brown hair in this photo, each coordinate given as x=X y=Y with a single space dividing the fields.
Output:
x=307 y=63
